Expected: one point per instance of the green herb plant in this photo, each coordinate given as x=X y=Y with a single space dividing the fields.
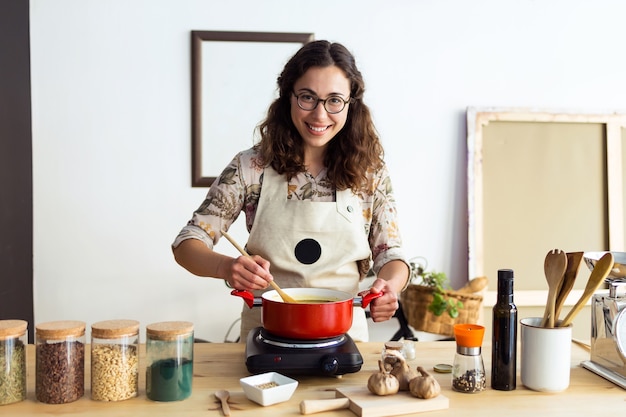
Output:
x=439 y=283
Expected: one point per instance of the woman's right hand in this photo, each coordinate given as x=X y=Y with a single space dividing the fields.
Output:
x=249 y=273
x=243 y=273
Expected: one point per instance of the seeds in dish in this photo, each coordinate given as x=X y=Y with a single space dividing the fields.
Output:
x=267 y=385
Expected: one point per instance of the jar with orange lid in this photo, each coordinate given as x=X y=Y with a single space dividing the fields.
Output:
x=169 y=360
x=13 y=342
x=60 y=361
x=468 y=370
x=114 y=360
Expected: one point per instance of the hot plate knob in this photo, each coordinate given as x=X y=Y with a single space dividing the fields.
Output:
x=330 y=365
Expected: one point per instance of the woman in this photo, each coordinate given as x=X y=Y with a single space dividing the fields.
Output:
x=315 y=192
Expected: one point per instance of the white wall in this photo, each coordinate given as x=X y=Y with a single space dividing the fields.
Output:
x=111 y=126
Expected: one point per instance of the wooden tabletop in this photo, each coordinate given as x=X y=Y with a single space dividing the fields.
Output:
x=221 y=365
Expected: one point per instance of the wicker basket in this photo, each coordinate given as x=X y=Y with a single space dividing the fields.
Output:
x=416 y=299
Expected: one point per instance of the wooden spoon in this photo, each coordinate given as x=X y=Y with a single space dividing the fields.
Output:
x=554 y=268
x=600 y=272
x=574 y=260
x=223 y=396
x=286 y=297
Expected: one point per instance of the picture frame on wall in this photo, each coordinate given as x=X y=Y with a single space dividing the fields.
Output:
x=233 y=82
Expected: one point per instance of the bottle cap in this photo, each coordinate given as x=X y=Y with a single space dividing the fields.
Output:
x=505 y=274
x=469 y=335
x=443 y=368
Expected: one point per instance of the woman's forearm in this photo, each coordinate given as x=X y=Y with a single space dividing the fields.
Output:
x=197 y=258
x=396 y=273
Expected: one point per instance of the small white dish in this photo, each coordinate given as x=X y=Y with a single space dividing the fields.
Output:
x=268 y=388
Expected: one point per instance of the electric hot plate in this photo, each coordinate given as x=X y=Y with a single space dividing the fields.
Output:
x=266 y=352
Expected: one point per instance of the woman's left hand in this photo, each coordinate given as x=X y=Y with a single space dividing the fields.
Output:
x=382 y=308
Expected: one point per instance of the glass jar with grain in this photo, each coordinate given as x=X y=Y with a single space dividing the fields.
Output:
x=114 y=360
x=13 y=342
x=60 y=361
x=169 y=360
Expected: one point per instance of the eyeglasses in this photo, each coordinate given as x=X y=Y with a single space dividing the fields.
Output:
x=332 y=105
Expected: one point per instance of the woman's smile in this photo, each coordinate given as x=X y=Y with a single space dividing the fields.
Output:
x=318 y=129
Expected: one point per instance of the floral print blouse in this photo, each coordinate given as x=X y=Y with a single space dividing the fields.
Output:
x=238 y=189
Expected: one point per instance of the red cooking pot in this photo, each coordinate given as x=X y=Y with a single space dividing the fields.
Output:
x=319 y=313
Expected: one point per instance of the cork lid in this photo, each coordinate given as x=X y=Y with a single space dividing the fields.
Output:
x=60 y=329
x=394 y=345
x=469 y=335
x=111 y=329
x=10 y=329
x=168 y=330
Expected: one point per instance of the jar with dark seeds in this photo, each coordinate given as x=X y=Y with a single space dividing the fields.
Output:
x=60 y=361
x=468 y=370
x=470 y=381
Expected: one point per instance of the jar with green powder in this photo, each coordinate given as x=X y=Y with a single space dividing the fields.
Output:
x=169 y=360
x=13 y=341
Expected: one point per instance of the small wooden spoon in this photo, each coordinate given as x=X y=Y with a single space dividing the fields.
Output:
x=286 y=297
x=223 y=396
x=574 y=260
x=600 y=272
x=554 y=268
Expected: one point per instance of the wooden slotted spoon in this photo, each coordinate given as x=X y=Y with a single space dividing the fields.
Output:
x=286 y=297
x=554 y=268
x=600 y=271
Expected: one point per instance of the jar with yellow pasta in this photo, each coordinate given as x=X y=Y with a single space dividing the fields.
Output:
x=114 y=360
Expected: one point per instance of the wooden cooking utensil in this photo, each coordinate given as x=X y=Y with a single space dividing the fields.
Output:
x=319 y=406
x=574 y=260
x=286 y=297
x=365 y=404
x=600 y=272
x=554 y=268
x=223 y=396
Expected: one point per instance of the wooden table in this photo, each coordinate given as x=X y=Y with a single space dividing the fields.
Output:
x=219 y=365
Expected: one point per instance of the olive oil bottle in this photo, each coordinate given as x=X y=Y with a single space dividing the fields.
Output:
x=504 y=337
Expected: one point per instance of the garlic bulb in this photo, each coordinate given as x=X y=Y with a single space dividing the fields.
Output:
x=424 y=386
x=382 y=382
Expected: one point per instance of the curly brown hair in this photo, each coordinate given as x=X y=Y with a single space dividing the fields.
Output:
x=351 y=153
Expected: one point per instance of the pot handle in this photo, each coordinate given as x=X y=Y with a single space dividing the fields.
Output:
x=365 y=300
x=248 y=297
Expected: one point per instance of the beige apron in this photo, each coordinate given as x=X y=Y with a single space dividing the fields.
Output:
x=309 y=244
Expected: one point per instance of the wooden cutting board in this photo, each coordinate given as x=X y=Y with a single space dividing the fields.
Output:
x=365 y=404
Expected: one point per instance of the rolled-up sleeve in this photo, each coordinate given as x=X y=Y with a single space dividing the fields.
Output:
x=384 y=233
x=220 y=208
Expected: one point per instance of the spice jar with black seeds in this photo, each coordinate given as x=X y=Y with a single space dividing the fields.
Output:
x=13 y=342
x=169 y=360
x=468 y=370
x=114 y=360
x=60 y=361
